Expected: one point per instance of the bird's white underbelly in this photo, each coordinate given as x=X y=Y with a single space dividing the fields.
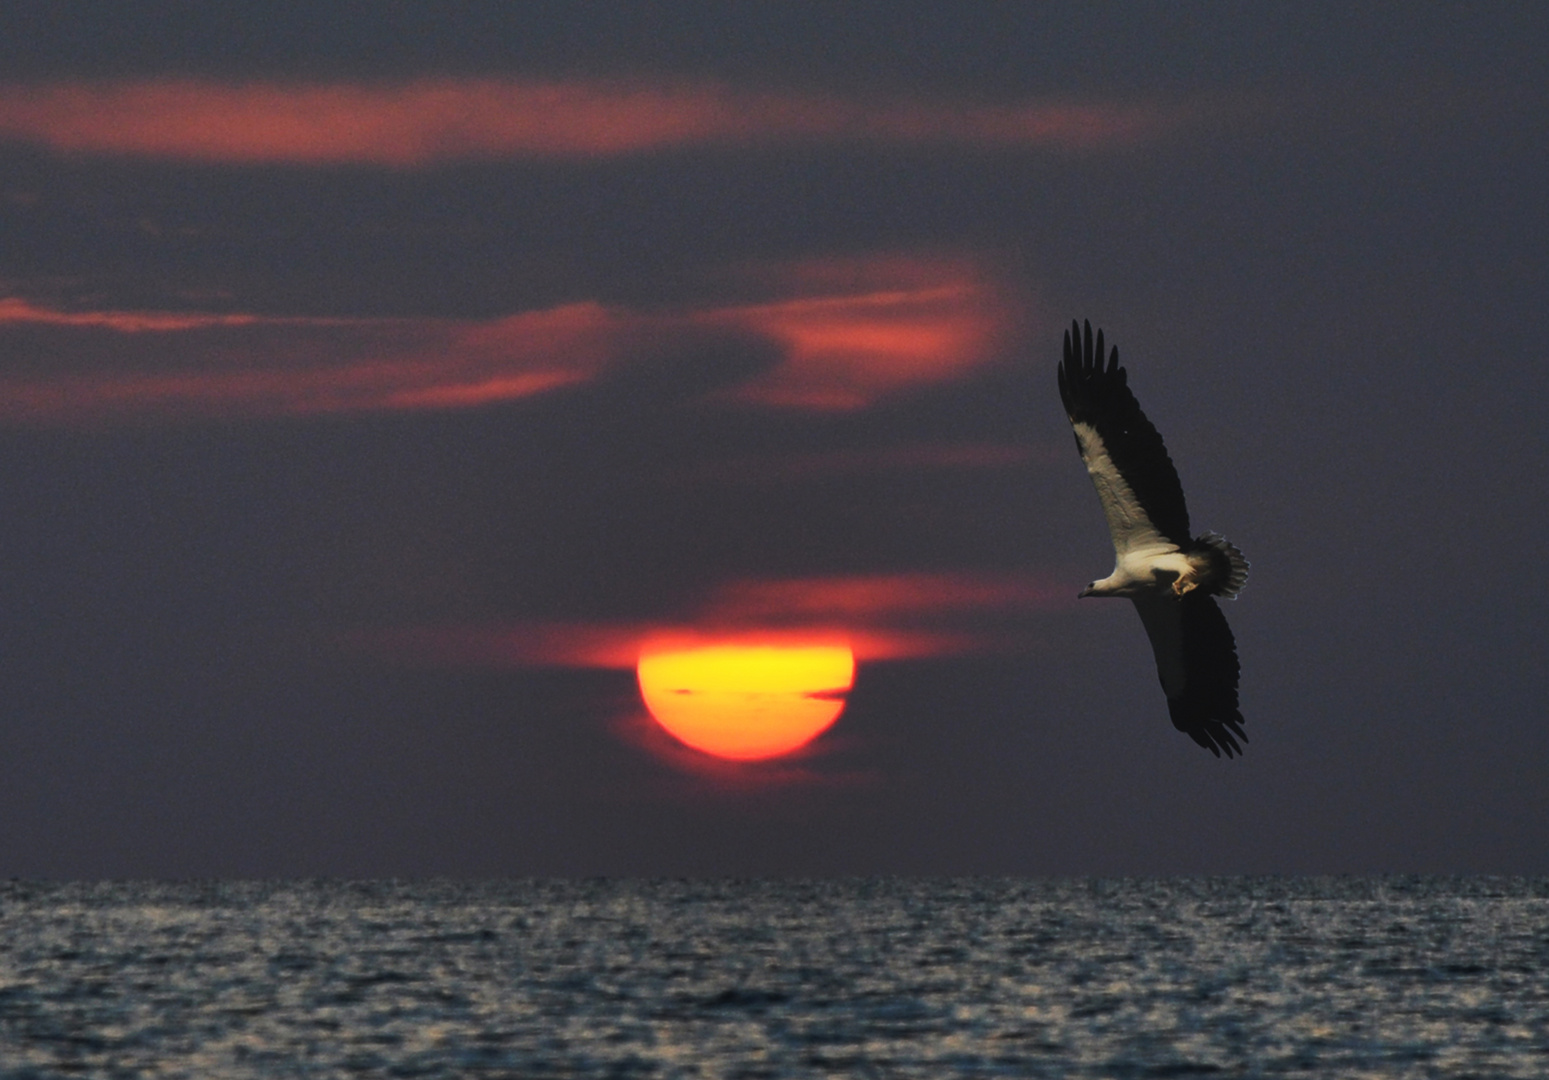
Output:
x=1155 y=564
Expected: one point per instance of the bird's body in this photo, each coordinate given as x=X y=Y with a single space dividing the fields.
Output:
x=1171 y=576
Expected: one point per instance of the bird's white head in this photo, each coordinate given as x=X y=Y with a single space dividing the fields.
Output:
x=1118 y=583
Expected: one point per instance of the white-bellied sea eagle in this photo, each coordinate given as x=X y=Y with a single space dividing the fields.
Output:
x=1172 y=577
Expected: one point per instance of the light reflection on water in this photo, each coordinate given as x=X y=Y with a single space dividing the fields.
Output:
x=1371 y=976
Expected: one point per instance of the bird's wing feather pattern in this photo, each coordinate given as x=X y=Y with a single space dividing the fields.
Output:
x=1196 y=660
x=1135 y=478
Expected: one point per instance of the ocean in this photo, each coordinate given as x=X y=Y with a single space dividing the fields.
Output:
x=1316 y=977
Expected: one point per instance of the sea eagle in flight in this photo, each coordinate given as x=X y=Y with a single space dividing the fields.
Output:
x=1172 y=577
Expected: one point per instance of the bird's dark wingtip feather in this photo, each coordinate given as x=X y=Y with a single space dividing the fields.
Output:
x=1219 y=738
x=1095 y=391
x=1207 y=709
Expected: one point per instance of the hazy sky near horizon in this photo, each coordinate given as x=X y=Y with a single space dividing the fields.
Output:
x=374 y=378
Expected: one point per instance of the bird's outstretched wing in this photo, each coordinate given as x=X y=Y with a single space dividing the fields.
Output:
x=1135 y=479
x=1196 y=659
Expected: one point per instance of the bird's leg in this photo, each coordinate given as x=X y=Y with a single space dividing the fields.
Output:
x=1182 y=585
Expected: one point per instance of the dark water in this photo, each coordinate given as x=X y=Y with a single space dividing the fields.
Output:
x=1236 y=977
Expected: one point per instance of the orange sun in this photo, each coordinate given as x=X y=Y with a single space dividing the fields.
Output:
x=745 y=700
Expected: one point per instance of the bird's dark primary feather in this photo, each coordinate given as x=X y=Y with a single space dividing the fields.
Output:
x=1098 y=394
x=1207 y=710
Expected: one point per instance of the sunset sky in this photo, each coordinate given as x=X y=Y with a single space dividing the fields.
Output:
x=375 y=380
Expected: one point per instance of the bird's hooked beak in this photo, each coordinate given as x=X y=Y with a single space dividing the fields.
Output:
x=1084 y=593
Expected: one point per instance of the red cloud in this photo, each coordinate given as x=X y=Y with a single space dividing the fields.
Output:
x=15 y=311
x=847 y=333
x=875 y=326
x=426 y=121
x=876 y=598
x=182 y=365
x=880 y=616
x=887 y=615
x=843 y=352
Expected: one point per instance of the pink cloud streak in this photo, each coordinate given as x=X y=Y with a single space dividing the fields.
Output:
x=880 y=616
x=180 y=365
x=14 y=310
x=422 y=122
x=854 y=332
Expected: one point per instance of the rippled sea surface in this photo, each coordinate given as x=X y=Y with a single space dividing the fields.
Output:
x=939 y=978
